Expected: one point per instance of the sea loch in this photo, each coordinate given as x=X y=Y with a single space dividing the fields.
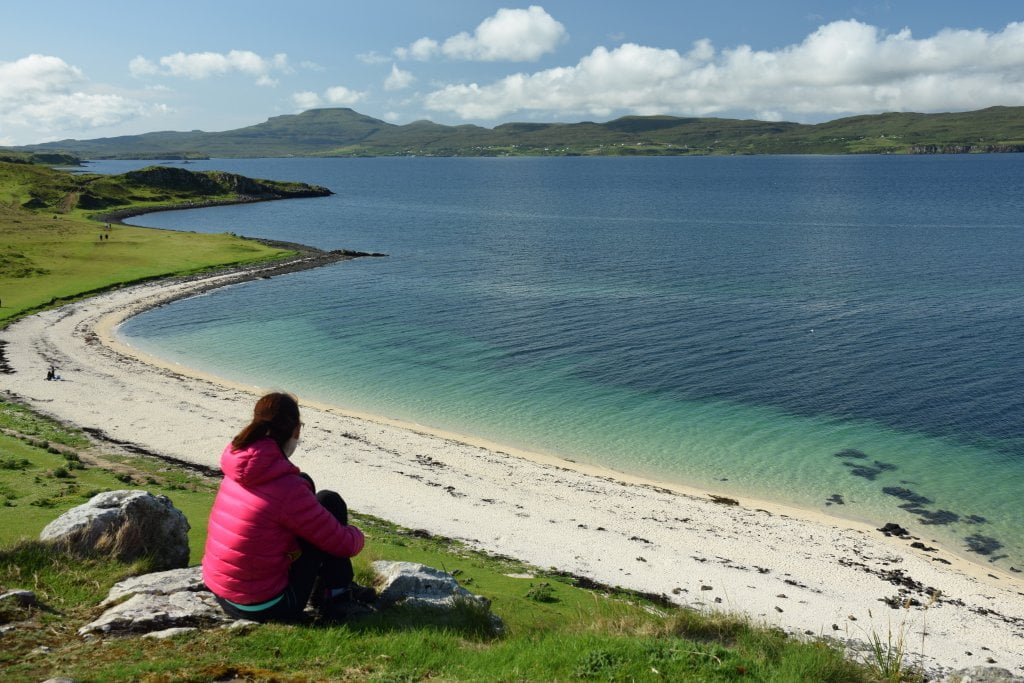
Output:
x=840 y=333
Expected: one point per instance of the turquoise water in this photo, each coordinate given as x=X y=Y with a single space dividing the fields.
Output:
x=805 y=329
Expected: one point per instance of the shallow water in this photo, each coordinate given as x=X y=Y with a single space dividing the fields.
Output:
x=728 y=322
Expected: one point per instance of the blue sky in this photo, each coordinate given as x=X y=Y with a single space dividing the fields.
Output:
x=84 y=70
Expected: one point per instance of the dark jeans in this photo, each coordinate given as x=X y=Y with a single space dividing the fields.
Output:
x=314 y=563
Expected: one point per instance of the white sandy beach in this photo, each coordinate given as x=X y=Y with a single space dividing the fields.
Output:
x=799 y=570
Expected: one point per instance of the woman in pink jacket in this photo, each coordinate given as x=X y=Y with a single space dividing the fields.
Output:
x=270 y=536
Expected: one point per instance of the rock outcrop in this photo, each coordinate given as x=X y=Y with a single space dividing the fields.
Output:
x=157 y=602
x=126 y=524
x=409 y=583
x=176 y=601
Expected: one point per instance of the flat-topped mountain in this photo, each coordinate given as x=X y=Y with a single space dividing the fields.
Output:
x=344 y=132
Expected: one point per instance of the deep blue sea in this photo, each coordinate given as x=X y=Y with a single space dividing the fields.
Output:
x=839 y=333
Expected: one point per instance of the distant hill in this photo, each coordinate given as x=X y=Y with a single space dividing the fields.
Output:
x=344 y=132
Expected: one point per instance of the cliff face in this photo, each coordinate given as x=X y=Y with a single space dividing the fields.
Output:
x=218 y=183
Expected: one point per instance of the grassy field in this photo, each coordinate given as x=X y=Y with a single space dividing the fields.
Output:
x=54 y=252
x=556 y=629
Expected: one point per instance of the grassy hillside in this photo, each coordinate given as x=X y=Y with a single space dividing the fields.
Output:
x=344 y=132
x=52 y=251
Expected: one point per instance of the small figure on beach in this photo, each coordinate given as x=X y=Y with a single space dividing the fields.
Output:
x=272 y=537
x=51 y=374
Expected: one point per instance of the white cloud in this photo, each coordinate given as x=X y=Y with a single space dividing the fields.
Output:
x=306 y=100
x=842 y=67
x=515 y=35
x=200 y=65
x=373 y=58
x=398 y=79
x=42 y=94
x=341 y=95
x=392 y=116
x=338 y=95
x=421 y=50
x=141 y=67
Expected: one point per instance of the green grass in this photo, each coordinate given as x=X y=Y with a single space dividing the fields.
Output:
x=54 y=254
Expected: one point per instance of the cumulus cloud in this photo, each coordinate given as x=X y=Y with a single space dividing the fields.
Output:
x=421 y=50
x=306 y=99
x=338 y=95
x=842 y=67
x=398 y=79
x=200 y=65
x=514 y=35
x=43 y=94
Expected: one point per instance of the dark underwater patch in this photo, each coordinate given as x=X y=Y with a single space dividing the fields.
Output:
x=932 y=516
x=907 y=495
x=869 y=472
x=983 y=545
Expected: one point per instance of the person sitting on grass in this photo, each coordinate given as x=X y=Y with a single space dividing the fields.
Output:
x=270 y=536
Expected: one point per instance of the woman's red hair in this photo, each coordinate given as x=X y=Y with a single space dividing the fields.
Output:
x=276 y=416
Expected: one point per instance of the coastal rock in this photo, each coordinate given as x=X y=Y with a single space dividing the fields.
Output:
x=894 y=529
x=409 y=583
x=168 y=601
x=126 y=524
x=145 y=613
x=981 y=674
x=157 y=602
x=187 y=579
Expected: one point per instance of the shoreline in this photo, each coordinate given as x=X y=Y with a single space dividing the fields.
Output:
x=106 y=330
x=834 y=565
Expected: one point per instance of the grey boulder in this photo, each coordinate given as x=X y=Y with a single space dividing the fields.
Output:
x=409 y=583
x=126 y=524
x=157 y=602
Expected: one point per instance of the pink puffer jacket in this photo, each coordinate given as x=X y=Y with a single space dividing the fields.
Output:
x=262 y=507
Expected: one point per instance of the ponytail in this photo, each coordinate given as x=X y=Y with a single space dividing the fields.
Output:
x=276 y=416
